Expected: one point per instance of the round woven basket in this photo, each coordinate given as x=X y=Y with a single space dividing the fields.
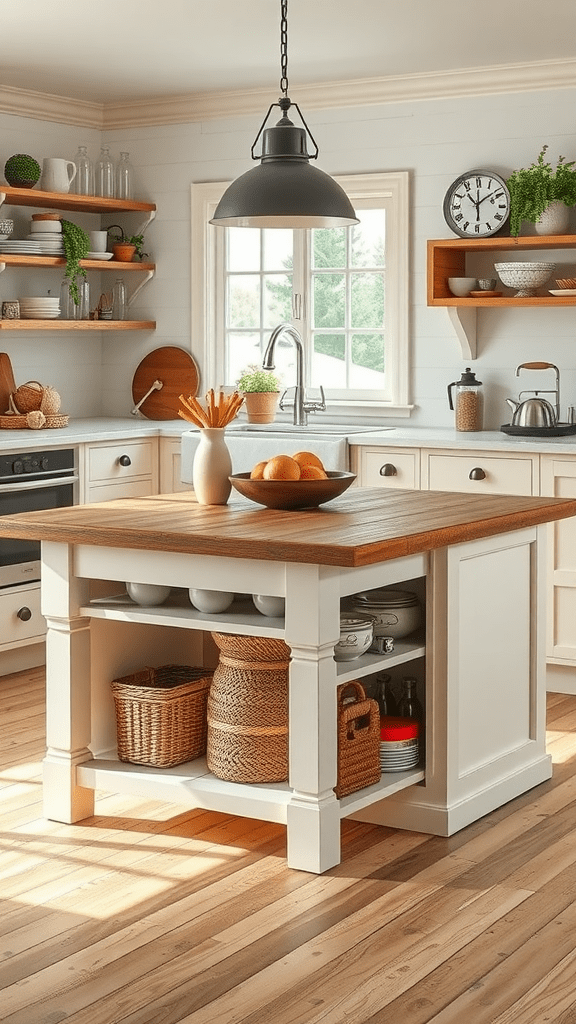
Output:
x=248 y=710
x=28 y=397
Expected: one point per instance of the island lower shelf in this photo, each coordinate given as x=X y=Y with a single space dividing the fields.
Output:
x=192 y=784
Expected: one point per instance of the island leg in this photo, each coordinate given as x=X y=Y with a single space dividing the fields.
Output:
x=312 y=629
x=68 y=713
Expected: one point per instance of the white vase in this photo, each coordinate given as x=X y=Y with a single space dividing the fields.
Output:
x=211 y=468
x=554 y=220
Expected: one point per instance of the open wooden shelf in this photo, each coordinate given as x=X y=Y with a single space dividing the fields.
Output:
x=12 y=260
x=60 y=201
x=77 y=325
x=447 y=258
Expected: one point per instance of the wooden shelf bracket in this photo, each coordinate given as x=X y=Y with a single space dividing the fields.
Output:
x=464 y=321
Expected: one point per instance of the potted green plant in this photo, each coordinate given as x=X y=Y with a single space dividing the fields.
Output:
x=76 y=245
x=536 y=189
x=261 y=390
x=126 y=247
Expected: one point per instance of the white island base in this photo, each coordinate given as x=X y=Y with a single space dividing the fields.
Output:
x=481 y=665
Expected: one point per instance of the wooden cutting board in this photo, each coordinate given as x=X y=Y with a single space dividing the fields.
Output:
x=179 y=374
x=7 y=385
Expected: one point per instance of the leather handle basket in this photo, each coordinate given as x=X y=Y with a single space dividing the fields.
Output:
x=358 y=739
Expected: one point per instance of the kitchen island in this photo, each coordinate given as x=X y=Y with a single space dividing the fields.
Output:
x=476 y=562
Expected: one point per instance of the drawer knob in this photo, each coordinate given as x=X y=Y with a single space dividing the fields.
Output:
x=24 y=613
x=477 y=474
x=125 y=460
x=388 y=469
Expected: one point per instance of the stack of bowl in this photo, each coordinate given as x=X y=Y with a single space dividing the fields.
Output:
x=41 y=307
x=395 y=613
x=46 y=233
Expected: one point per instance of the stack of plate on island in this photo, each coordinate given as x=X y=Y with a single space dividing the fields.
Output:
x=399 y=743
x=41 y=307
x=46 y=235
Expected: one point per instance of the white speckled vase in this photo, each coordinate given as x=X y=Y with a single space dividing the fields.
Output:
x=211 y=468
x=554 y=220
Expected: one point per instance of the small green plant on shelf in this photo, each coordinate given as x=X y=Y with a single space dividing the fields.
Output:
x=532 y=189
x=76 y=247
x=123 y=239
x=254 y=379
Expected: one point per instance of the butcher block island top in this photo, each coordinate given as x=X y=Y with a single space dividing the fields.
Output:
x=362 y=527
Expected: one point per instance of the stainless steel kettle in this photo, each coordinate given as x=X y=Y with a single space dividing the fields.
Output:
x=536 y=412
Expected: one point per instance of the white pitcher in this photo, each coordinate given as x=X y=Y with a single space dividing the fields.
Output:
x=57 y=174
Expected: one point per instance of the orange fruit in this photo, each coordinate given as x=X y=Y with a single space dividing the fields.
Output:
x=258 y=471
x=307 y=459
x=312 y=473
x=281 y=467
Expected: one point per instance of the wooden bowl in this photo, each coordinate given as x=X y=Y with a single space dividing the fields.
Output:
x=292 y=494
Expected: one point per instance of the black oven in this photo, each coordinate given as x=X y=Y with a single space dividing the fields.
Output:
x=31 y=482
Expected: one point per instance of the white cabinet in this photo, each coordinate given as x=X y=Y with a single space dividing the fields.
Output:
x=386 y=467
x=170 y=466
x=479 y=473
x=559 y=480
x=21 y=622
x=120 y=469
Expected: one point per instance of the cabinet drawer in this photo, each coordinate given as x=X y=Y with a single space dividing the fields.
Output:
x=15 y=628
x=388 y=468
x=123 y=489
x=122 y=460
x=479 y=474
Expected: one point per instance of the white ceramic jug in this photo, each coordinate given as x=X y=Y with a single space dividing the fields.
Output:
x=57 y=174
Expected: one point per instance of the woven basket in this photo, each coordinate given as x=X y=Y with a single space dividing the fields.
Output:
x=28 y=396
x=358 y=740
x=248 y=710
x=21 y=423
x=161 y=715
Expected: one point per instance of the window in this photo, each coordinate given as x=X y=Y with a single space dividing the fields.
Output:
x=345 y=289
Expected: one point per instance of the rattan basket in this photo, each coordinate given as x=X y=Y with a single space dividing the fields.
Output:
x=16 y=422
x=161 y=715
x=358 y=740
x=248 y=710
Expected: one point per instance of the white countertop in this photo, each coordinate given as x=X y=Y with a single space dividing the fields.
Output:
x=100 y=428
x=481 y=440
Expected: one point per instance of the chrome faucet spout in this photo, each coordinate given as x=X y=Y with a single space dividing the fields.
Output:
x=300 y=414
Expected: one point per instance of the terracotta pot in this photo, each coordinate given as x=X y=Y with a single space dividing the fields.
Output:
x=261 y=405
x=123 y=252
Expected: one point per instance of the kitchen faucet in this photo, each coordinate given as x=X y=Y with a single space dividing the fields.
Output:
x=301 y=406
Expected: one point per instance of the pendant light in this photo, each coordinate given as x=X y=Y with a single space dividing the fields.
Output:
x=284 y=190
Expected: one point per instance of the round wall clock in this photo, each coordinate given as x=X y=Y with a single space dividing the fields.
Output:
x=477 y=204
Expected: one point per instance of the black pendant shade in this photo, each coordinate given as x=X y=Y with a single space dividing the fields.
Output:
x=284 y=190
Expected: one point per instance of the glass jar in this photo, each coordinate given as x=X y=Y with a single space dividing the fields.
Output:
x=83 y=183
x=104 y=174
x=119 y=300
x=124 y=178
x=66 y=301
x=467 y=404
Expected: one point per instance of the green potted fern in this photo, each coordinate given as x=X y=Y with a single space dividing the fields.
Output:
x=261 y=390
x=542 y=194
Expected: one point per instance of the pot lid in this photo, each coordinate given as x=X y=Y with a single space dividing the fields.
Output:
x=385 y=598
x=468 y=379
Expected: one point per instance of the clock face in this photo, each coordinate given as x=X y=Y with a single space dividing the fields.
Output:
x=477 y=204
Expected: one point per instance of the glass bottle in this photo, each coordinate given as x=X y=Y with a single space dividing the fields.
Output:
x=124 y=178
x=82 y=308
x=409 y=706
x=66 y=301
x=83 y=183
x=386 y=699
x=119 y=300
x=104 y=174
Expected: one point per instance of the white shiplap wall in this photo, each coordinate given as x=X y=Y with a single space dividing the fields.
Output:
x=433 y=139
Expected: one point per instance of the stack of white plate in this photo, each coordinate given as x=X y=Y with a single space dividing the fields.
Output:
x=47 y=235
x=41 y=307
x=21 y=247
x=399 y=744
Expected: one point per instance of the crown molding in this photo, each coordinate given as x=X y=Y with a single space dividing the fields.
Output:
x=529 y=77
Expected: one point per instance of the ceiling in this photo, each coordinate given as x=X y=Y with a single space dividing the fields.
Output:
x=114 y=51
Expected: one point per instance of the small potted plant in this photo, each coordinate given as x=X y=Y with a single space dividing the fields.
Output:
x=261 y=390
x=542 y=194
x=126 y=247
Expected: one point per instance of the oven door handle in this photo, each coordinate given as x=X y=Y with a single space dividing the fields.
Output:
x=37 y=485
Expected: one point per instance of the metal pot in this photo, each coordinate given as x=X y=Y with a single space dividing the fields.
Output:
x=533 y=412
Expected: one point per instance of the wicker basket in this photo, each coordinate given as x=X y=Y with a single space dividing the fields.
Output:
x=358 y=740
x=21 y=423
x=248 y=710
x=161 y=715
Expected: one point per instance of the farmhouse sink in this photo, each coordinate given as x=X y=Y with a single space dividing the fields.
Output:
x=312 y=430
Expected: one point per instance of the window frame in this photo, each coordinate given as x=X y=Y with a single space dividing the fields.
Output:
x=390 y=189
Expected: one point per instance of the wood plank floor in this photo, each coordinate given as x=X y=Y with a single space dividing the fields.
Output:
x=153 y=914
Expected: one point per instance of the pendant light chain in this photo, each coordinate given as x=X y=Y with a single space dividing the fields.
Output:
x=284 y=47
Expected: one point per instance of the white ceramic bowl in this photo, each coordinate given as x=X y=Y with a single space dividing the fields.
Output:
x=210 y=601
x=269 y=605
x=355 y=638
x=461 y=286
x=526 y=277
x=147 y=593
x=40 y=227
